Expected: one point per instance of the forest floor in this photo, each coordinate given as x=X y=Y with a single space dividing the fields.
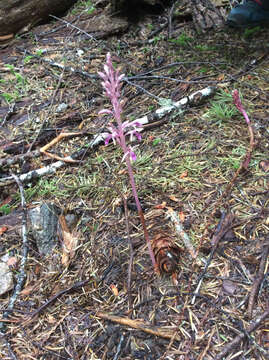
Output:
x=75 y=302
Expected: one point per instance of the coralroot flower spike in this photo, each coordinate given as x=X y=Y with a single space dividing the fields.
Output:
x=239 y=106
x=112 y=86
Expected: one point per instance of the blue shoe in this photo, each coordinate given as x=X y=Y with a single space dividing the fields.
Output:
x=248 y=14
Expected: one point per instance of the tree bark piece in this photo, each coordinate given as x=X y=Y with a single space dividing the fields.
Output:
x=17 y=14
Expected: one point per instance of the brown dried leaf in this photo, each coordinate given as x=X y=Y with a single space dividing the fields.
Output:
x=184 y=174
x=229 y=287
x=264 y=165
x=3 y=229
x=114 y=289
x=173 y=198
x=70 y=241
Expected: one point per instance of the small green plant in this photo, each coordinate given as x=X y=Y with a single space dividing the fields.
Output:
x=87 y=5
x=17 y=83
x=19 y=78
x=203 y=70
x=250 y=32
x=5 y=209
x=183 y=40
x=27 y=59
x=39 y=52
x=222 y=107
x=145 y=50
x=156 y=141
x=204 y=47
x=156 y=39
x=9 y=97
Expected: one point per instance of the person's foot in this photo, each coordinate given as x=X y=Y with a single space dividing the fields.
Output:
x=248 y=14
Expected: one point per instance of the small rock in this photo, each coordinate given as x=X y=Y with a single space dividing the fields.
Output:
x=80 y=52
x=6 y=278
x=229 y=287
x=44 y=222
x=61 y=107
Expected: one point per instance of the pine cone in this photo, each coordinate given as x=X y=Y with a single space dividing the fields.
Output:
x=166 y=253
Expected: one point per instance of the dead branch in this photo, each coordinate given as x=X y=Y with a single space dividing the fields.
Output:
x=56 y=296
x=10 y=112
x=149 y=120
x=24 y=252
x=222 y=228
x=19 y=158
x=140 y=325
x=60 y=66
x=229 y=347
x=61 y=136
x=119 y=348
x=74 y=27
x=258 y=280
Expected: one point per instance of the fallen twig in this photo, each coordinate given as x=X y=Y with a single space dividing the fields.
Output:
x=223 y=226
x=229 y=347
x=119 y=348
x=19 y=158
x=69 y=24
x=8 y=114
x=151 y=119
x=61 y=136
x=258 y=280
x=56 y=296
x=140 y=325
x=24 y=252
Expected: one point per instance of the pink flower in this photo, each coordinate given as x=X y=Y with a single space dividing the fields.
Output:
x=239 y=105
x=111 y=84
x=117 y=132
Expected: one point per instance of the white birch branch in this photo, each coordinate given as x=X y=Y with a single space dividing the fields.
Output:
x=195 y=98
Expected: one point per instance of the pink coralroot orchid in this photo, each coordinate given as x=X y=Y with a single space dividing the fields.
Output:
x=238 y=104
x=117 y=132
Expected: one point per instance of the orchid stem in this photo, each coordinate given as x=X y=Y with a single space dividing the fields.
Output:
x=140 y=211
x=111 y=84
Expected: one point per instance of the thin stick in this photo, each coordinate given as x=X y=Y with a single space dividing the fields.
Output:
x=140 y=325
x=223 y=226
x=229 y=347
x=257 y=282
x=74 y=27
x=55 y=297
x=99 y=138
x=21 y=273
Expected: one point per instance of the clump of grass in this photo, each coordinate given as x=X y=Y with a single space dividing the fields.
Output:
x=222 y=108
